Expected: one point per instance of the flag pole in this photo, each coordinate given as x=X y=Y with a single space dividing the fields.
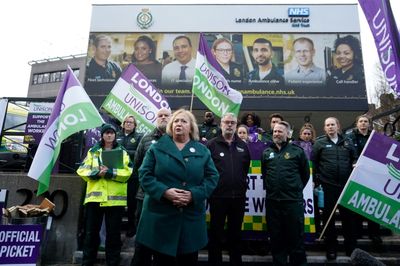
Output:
x=327 y=222
x=191 y=100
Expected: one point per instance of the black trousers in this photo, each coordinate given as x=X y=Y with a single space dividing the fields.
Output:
x=232 y=210
x=94 y=218
x=348 y=218
x=143 y=255
x=132 y=186
x=189 y=259
x=373 y=228
x=285 y=225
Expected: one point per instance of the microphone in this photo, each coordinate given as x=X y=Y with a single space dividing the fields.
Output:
x=361 y=258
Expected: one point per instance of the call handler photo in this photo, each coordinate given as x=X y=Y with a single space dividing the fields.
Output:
x=348 y=69
x=177 y=175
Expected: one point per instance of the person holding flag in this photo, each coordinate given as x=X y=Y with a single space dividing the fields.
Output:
x=210 y=85
x=106 y=195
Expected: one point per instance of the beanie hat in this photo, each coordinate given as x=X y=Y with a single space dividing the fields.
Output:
x=106 y=127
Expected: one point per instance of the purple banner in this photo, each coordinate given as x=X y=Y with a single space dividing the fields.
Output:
x=133 y=76
x=35 y=126
x=20 y=244
x=384 y=29
x=383 y=149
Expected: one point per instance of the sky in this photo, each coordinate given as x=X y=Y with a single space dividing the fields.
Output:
x=40 y=29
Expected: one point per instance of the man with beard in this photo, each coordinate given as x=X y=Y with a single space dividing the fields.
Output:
x=285 y=171
x=265 y=71
x=209 y=129
x=232 y=159
x=142 y=256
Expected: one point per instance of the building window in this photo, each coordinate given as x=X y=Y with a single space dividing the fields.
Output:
x=51 y=77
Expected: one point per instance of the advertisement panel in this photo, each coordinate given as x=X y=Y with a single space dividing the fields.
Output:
x=267 y=52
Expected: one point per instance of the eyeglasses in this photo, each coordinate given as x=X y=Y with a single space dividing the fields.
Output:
x=129 y=122
x=227 y=51
x=229 y=122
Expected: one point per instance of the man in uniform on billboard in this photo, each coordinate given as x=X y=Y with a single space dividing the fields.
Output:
x=265 y=71
x=101 y=73
x=306 y=71
x=180 y=71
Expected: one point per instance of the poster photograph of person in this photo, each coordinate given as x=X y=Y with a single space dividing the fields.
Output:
x=270 y=65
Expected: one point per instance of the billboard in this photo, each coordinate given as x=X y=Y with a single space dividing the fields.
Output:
x=285 y=57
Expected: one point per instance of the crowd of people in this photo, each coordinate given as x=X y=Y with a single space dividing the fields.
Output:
x=165 y=177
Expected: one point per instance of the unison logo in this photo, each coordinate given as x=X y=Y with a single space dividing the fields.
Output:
x=298 y=12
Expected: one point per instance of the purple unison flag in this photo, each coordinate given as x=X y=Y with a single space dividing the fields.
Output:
x=387 y=39
x=73 y=111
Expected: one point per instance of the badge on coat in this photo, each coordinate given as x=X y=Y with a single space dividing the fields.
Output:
x=287 y=156
x=239 y=149
x=192 y=150
x=133 y=140
x=222 y=154
x=271 y=155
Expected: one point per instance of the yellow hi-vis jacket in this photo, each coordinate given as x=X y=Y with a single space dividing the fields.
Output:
x=110 y=190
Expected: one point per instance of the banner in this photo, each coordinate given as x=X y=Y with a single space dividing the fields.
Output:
x=211 y=87
x=373 y=189
x=20 y=244
x=387 y=40
x=38 y=117
x=73 y=111
x=134 y=94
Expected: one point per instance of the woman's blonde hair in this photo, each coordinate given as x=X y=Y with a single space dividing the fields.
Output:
x=194 y=130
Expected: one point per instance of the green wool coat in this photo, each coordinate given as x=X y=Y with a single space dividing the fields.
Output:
x=164 y=227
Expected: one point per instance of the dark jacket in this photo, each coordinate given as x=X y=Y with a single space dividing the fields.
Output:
x=233 y=163
x=130 y=142
x=358 y=139
x=164 y=227
x=333 y=162
x=273 y=78
x=285 y=172
x=209 y=131
x=143 y=146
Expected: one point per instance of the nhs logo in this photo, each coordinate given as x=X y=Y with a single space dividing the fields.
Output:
x=298 y=12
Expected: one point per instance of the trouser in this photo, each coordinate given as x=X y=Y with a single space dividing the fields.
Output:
x=138 y=213
x=94 y=218
x=189 y=259
x=373 y=228
x=132 y=186
x=143 y=255
x=221 y=209
x=348 y=218
x=285 y=224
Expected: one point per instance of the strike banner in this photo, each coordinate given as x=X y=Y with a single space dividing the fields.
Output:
x=373 y=187
x=134 y=94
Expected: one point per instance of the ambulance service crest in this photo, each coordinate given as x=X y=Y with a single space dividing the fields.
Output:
x=144 y=19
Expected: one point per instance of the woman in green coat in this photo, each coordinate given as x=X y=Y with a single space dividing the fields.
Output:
x=177 y=176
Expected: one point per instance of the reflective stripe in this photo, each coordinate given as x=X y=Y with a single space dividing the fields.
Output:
x=116 y=198
x=94 y=194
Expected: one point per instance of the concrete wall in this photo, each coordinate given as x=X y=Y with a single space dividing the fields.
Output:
x=62 y=238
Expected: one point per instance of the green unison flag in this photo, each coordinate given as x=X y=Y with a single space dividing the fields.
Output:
x=73 y=111
x=373 y=189
x=210 y=86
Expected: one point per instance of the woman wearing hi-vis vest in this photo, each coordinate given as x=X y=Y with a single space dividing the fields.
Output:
x=105 y=196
